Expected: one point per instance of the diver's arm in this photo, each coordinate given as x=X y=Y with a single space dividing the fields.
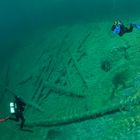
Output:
x=113 y=27
x=23 y=102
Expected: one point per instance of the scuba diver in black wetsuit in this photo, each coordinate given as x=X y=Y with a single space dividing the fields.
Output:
x=19 y=106
x=119 y=28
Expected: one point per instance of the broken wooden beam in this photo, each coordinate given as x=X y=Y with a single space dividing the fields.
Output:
x=24 y=81
x=35 y=106
x=72 y=119
x=78 y=69
x=63 y=91
x=84 y=40
x=122 y=106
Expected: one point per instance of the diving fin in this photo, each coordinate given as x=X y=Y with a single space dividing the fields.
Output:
x=137 y=26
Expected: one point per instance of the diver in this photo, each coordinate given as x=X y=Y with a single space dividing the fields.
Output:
x=19 y=107
x=119 y=28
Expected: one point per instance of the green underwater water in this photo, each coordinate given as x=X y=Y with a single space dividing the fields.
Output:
x=80 y=81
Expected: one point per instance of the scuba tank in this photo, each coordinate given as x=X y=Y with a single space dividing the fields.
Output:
x=12 y=108
x=117 y=29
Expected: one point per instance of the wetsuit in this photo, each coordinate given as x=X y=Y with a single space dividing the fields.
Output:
x=122 y=29
x=19 y=109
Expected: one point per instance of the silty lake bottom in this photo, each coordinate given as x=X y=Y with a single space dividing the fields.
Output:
x=79 y=80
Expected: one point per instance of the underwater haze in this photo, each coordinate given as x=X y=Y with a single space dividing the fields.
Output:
x=18 y=16
x=67 y=72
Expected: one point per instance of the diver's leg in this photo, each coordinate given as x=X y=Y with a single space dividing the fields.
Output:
x=22 y=120
x=130 y=29
x=15 y=119
x=22 y=123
